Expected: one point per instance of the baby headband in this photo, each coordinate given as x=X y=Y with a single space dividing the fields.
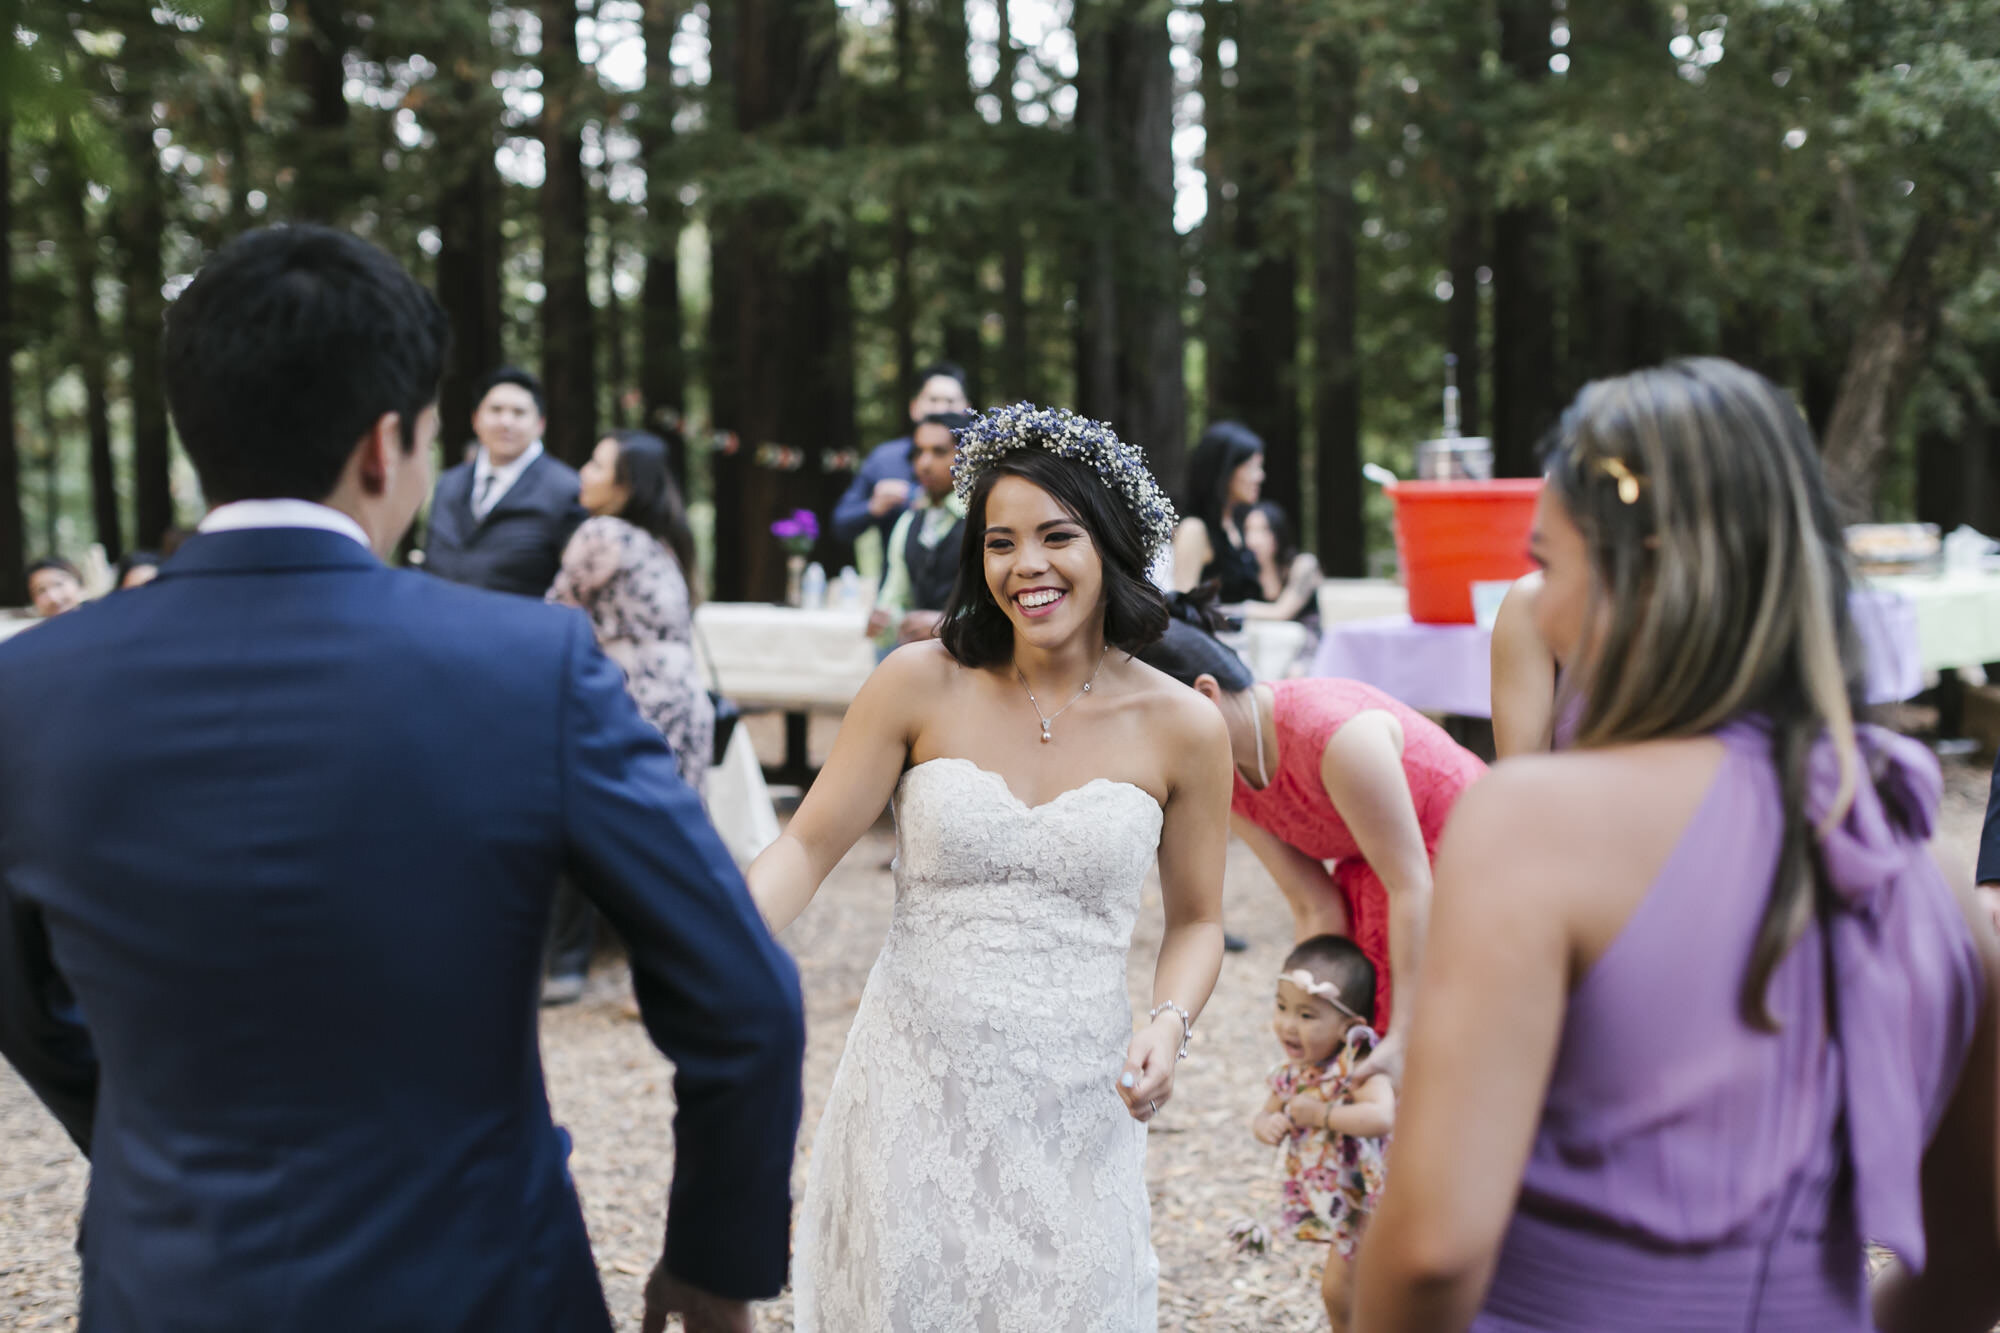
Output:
x=1006 y=430
x=1325 y=990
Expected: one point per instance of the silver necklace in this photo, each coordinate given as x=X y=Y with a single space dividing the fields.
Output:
x=1047 y=718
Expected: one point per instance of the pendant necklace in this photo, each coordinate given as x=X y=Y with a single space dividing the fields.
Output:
x=1048 y=718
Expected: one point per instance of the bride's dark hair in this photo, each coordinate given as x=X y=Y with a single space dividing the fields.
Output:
x=977 y=633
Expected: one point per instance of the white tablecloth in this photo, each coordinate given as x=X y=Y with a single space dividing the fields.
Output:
x=1448 y=668
x=781 y=657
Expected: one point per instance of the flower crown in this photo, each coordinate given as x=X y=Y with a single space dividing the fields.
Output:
x=1005 y=430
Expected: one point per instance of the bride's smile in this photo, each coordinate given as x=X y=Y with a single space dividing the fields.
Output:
x=1040 y=564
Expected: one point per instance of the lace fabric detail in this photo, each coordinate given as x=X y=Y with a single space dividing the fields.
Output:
x=975 y=1169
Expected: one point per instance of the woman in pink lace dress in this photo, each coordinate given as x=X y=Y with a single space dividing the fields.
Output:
x=630 y=566
x=1333 y=771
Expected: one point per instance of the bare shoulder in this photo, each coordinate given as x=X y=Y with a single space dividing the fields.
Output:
x=1188 y=728
x=912 y=680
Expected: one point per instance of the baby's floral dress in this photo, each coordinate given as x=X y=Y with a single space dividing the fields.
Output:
x=1332 y=1181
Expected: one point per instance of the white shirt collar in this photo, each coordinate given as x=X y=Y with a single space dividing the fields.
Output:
x=505 y=474
x=242 y=514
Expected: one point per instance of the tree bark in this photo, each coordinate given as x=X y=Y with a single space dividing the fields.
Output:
x=1131 y=372
x=786 y=371
x=468 y=217
x=965 y=229
x=92 y=357
x=902 y=232
x=1526 y=391
x=662 y=362
x=1016 y=358
x=1466 y=252
x=13 y=521
x=569 y=332
x=1341 y=534
x=320 y=157
x=1262 y=352
x=143 y=220
x=1220 y=280
x=1888 y=351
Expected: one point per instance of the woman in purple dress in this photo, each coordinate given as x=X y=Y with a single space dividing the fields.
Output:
x=1699 y=1015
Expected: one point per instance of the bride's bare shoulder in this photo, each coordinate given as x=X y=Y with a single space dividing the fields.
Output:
x=1172 y=710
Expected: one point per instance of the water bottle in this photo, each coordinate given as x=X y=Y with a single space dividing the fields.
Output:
x=812 y=589
x=850 y=588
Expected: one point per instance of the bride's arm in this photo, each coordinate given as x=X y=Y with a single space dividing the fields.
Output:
x=1194 y=840
x=851 y=791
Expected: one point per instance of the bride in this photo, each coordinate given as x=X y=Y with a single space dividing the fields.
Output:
x=980 y=1162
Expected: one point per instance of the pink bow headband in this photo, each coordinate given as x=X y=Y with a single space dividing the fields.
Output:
x=1325 y=990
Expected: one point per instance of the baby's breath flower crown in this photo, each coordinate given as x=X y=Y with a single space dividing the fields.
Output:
x=1005 y=430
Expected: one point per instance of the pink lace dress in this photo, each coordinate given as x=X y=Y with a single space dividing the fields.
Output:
x=1296 y=808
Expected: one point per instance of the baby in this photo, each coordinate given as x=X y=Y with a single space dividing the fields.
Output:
x=1334 y=1133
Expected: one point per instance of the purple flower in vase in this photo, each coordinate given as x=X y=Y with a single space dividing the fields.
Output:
x=797 y=531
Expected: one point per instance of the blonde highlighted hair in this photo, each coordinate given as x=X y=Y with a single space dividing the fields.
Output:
x=1718 y=590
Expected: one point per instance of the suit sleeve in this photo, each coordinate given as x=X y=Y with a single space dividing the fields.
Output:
x=41 y=1030
x=851 y=517
x=717 y=994
x=1989 y=837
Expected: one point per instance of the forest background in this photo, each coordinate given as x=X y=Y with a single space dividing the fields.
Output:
x=751 y=221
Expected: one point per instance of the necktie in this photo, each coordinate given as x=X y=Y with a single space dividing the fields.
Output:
x=484 y=501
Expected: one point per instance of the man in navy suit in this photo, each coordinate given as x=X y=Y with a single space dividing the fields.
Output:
x=277 y=846
x=500 y=519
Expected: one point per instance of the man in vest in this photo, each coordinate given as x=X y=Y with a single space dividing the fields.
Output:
x=923 y=551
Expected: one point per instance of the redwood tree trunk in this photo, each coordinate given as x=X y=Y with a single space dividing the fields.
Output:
x=1526 y=395
x=13 y=523
x=1337 y=373
x=1016 y=360
x=470 y=246
x=662 y=363
x=569 y=332
x=1131 y=372
x=1882 y=363
x=320 y=154
x=143 y=218
x=92 y=356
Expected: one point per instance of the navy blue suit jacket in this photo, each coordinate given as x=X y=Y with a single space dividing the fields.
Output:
x=278 y=839
x=888 y=461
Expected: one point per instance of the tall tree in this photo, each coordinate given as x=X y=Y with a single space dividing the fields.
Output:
x=569 y=325
x=13 y=524
x=662 y=361
x=782 y=348
x=1256 y=365
x=468 y=217
x=1465 y=256
x=1525 y=388
x=1342 y=537
x=142 y=220
x=964 y=227
x=1016 y=361
x=80 y=241
x=1129 y=335
x=320 y=151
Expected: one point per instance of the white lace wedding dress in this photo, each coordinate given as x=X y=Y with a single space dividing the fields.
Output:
x=975 y=1168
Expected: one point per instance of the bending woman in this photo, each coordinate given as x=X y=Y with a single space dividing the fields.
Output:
x=1333 y=770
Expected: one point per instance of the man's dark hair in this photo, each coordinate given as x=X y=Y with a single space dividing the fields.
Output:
x=978 y=633
x=289 y=344
x=1337 y=959
x=948 y=369
x=513 y=375
x=54 y=562
x=951 y=421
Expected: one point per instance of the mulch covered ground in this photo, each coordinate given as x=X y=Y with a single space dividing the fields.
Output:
x=613 y=1091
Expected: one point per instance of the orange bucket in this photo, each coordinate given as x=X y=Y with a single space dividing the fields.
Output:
x=1453 y=534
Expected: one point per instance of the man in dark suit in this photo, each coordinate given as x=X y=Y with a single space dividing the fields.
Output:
x=277 y=845
x=501 y=519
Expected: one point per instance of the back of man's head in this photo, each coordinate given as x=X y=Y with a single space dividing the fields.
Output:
x=287 y=347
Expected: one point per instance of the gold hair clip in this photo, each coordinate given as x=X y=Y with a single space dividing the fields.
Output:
x=1628 y=485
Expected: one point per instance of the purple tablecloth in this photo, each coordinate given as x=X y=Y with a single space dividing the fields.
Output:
x=1448 y=668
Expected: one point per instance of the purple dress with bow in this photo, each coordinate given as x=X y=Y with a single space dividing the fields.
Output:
x=1692 y=1174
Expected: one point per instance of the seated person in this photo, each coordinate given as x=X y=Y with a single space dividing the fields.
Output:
x=1287 y=577
x=923 y=550
x=54 y=586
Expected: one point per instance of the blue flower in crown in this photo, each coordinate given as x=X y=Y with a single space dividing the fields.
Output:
x=1006 y=430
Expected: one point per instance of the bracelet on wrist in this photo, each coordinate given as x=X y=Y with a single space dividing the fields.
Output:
x=1187 y=1023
